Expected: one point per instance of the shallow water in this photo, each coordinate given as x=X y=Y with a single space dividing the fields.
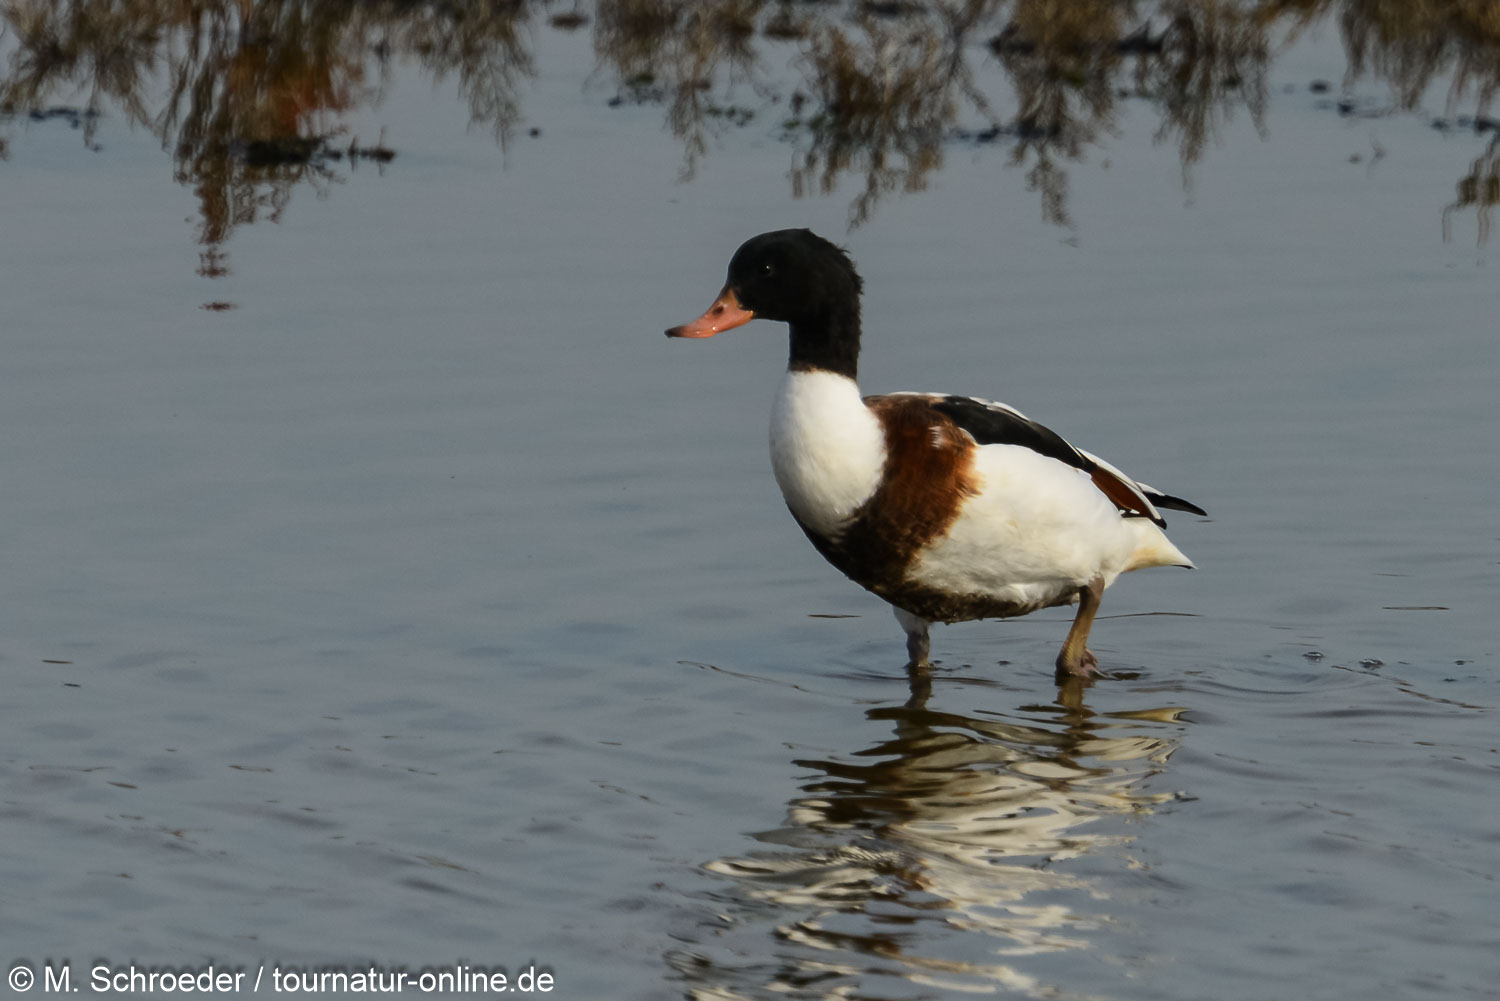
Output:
x=428 y=607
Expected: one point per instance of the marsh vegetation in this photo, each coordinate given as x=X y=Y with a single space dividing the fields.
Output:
x=251 y=99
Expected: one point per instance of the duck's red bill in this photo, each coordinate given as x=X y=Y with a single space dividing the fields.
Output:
x=725 y=314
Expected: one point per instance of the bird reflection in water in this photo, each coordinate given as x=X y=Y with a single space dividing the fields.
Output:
x=944 y=856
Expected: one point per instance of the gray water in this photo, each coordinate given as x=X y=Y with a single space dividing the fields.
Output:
x=429 y=608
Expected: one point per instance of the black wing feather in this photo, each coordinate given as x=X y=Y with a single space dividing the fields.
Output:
x=998 y=425
x=1173 y=503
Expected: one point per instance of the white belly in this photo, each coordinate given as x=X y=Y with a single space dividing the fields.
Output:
x=1036 y=531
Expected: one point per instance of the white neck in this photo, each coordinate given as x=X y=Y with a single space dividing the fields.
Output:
x=827 y=448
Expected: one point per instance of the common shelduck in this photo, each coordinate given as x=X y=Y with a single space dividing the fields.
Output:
x=950 y=508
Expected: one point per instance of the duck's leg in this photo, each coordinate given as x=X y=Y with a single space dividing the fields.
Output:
x=917 y=644
x=1075 y=659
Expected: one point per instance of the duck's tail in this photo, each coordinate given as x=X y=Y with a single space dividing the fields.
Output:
x=1154 y=549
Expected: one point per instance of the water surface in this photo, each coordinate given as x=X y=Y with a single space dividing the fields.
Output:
x=426 y=606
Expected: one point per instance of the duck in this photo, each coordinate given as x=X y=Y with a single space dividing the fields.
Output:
x=950 y=508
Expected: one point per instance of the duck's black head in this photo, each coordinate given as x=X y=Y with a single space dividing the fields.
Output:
x=796 y=277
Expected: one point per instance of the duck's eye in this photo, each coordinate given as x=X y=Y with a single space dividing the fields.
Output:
x=767 y=270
